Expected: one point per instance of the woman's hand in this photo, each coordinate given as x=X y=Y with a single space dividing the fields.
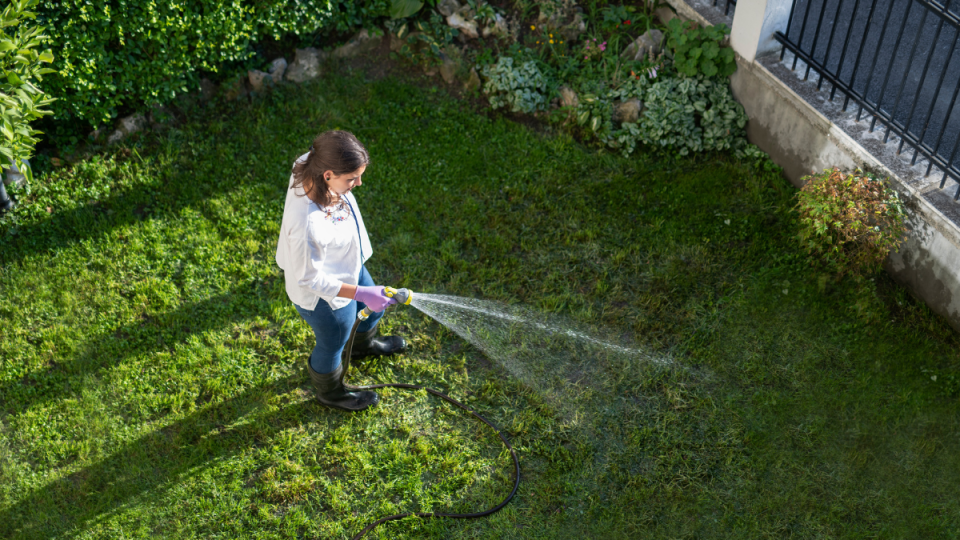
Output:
x=373 y=297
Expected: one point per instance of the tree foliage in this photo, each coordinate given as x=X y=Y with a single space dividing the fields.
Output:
x=21 y=100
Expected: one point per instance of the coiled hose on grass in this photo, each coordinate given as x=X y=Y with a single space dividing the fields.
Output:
x=345 y=360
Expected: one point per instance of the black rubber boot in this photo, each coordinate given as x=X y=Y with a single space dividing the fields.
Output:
x=368 y=344
x=331 y=391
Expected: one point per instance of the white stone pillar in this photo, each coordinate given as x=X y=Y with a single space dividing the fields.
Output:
x=754 y=23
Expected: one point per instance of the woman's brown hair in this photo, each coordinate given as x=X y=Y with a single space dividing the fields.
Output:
x=337 y=151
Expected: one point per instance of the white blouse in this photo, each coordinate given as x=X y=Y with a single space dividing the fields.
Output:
x=319 y=248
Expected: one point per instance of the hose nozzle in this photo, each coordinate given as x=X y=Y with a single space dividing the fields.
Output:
x=402 y=296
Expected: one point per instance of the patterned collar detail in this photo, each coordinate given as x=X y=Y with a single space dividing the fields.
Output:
x=337 y=212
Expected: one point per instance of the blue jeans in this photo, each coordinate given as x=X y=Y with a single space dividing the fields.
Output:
x=332 y=327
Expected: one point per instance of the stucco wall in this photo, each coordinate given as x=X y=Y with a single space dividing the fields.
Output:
x=782 y=124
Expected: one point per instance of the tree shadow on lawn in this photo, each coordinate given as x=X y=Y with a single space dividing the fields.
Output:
x=113 y=349
x=95 y=220
x=156 y=460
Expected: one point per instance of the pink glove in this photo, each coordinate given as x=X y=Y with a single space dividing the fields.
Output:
x=373 y=297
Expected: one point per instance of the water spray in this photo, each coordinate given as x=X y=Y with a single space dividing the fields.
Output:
x=405 y=297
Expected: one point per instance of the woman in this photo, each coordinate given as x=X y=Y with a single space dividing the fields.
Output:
x=323 y=245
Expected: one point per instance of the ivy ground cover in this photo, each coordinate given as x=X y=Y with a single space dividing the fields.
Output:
x=152 y=379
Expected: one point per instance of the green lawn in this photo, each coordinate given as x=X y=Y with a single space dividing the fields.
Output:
x=152 y=378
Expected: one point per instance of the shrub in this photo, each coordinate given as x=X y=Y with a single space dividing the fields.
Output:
x=692 y=115
x=520 y=88
x=21 y=101
x=849 y=222
x=697 y=50
x=119 y=54
x=681 y=115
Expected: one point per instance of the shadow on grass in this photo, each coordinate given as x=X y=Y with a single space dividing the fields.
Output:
x=153 y=461
x=129 y=341
x=96 y=219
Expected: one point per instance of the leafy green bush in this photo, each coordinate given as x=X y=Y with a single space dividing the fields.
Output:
x=681 y=115
x=122 y=54
x=697 y=50
x=849 y=222
x=692 y=115
x=522 y=88
x=21 y=101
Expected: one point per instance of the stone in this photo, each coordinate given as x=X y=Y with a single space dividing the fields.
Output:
x=116 y=137
x=449 y=68
x=448 y=7
x=305 y=66
x=563 y=17
x=513 y=29
x=642 y=47
x=568 y=98
x=259 y=80
x=627 y=112
x=665 y=14
x=277 y=67
x=360 y=44
x=127 y=126
x=463 y=20
x=208 y=89
x=473 y=81
x=575 y=28
x=133 y=123
x=498 y=28
x=552 y=14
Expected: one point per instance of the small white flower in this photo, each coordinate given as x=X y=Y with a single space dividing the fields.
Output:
x=933 y=378
x=785 y=291
x=726 y=222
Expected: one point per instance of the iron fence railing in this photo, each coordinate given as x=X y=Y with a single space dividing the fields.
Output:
x=726 y=7
x=896 y=60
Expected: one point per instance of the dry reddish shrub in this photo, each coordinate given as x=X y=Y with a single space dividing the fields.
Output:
x=850 y=222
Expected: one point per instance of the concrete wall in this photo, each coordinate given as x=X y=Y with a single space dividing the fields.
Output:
x=782 y=124
x=802 y=139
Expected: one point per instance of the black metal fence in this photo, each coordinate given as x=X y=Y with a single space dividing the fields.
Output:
x=895 y=59
x=727 y=4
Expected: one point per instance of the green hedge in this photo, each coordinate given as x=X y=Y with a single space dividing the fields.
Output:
x=117 y=54
x=22 y=67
